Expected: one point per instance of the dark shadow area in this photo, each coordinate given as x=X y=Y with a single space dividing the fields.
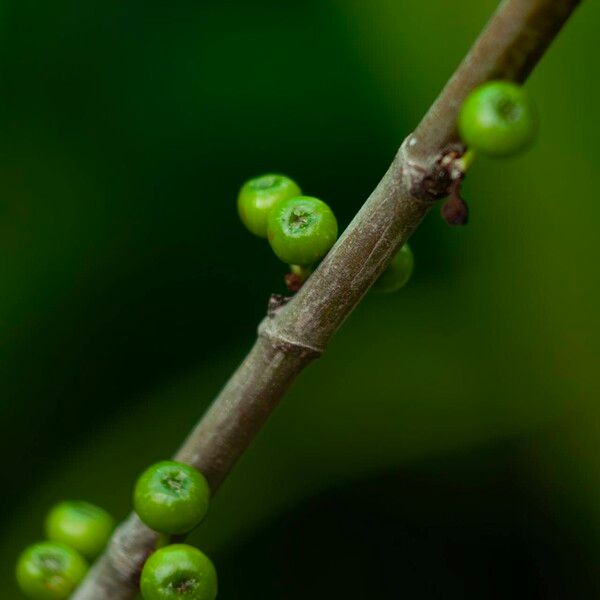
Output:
x=126 y=132
x=467 y=526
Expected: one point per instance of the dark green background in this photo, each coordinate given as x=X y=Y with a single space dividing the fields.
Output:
x=447 y=444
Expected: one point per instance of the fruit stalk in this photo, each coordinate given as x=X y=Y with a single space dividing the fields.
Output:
x=508 y=48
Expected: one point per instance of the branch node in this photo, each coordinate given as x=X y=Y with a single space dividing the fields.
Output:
x=268 y=329
x=433 y=181
x=276 y=301
x=437 y=181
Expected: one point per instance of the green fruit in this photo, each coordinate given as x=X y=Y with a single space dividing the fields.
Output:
x=179 y=572
x=498 y=119
x=258 y=196
x=171 y=497
x=397 y=273
x=302 y=230
x=83 y=526
x=50 y=571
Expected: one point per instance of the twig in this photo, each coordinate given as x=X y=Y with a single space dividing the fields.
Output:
x=508 y=48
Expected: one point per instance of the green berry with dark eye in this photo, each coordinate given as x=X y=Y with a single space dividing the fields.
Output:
x=171 y=497
x=178 y=572
x=50 y=571
x=498 y=119
x=397 y=273
x=302 y=230
x=258 y=196
x=81 y=525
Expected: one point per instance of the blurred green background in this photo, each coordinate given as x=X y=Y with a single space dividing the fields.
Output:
x=447 y=444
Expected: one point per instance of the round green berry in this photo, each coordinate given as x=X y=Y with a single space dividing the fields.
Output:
x=498 y=119
x=81 y=525
x=178 y=572
x=50 y=571
x=397 y=273
x=258 y=196
x=302 y=230
x=171 y=497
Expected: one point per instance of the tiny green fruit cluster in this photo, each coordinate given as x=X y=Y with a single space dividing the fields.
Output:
x=301 y=229
x=497 y=119
x=397 y=273
x=178 y=572
x=52 y=570
x=171 y=497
